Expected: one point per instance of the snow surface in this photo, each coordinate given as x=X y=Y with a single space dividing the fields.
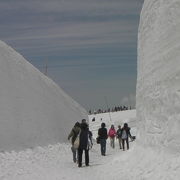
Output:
x=33 y=109
x=156 y=152
x=158 y=81
x=54 y=162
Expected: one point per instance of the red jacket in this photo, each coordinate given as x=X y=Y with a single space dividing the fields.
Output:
x=112 y=133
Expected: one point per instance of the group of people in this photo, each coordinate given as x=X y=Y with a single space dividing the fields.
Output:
x=85 y=142
x=114 y=109
x=122 y=134
x=81 y=130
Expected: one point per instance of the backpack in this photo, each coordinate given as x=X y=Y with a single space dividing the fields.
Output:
x=77 y=141
x=119 y=133
x=124 y=134
x=98 y=140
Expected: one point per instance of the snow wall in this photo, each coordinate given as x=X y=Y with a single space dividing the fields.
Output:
x=33 y=109
x=158 y=80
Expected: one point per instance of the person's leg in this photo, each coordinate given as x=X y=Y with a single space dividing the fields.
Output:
x=87 y=157
x=102 y=147
x=74 y=153
x=127 y=142
x=77 y=156
x=113 y=142
x=103 y=141
x=80 y=151
x=123 y=144
x=120 y=143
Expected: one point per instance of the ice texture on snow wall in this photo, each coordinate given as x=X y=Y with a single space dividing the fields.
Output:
x=158 y=81
x=33 y=109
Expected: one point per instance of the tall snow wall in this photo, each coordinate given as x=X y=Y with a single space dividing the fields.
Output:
x=158 y=79
x=33 y=109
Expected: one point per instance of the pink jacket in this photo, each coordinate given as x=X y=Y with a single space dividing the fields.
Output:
x=112 y=133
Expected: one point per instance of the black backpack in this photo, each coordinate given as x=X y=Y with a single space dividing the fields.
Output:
x=119 y=133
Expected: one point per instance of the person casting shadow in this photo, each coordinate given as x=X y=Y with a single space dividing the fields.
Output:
x=73 y=134
x=102 y=133
x=83 y=144
x=125 y=136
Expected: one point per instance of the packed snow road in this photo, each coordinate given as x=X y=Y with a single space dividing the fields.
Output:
x=54 y=162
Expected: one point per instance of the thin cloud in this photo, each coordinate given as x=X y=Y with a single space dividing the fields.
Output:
x=67 y=21
x=77 y=36
x=73 y=36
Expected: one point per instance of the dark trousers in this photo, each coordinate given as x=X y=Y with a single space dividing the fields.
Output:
x=80 y=152
x=127 y=143
x=103 y=146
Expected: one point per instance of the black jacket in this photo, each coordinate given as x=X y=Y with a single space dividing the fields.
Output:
x=119 y=133
x=84 y=136
x=102 y=132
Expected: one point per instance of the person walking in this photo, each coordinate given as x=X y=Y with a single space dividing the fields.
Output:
x=118 y=136
x=112 y=135
x=83 y=146
x=125 y=136
x=102 y=133
x=73 y=134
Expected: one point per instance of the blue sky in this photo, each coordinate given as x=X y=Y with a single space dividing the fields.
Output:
x=90 y=46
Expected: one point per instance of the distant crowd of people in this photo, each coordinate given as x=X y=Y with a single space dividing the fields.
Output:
x=81 y=139
x=114 y=109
